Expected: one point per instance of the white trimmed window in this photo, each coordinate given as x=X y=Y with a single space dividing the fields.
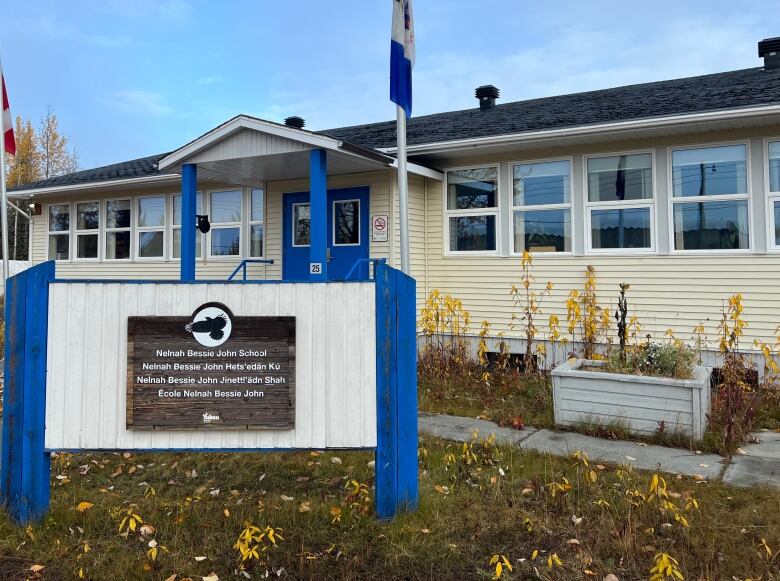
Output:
x=619 y=203
x=710 y=198
x=176 y=226
x=150 y=225
x=256 y=223
x=541 y=206
x=59 y=232
x=117 y=230
x=471 y=210
x=225 y=216
x=773 y=165
x=87 y=230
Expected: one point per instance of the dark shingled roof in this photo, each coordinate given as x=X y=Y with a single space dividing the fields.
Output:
x=736 y=89
x=144 y=166
x=745 y=88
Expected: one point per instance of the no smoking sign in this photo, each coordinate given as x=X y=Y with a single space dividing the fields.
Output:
x=379 y=227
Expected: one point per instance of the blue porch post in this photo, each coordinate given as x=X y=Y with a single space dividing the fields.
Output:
x=189 y=186
x=318 y=228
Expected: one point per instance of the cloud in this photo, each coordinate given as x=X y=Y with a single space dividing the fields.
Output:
x=209 y=80
x=170 y=10
x=139 y=102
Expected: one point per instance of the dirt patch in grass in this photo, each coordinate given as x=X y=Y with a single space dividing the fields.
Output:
x=476 y=500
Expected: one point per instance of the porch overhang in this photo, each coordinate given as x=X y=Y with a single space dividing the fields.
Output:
x=250 y=151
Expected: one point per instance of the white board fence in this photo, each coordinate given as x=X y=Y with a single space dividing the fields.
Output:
x=87 y=363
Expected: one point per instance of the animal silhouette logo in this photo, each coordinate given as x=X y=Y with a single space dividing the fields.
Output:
x=211 y=324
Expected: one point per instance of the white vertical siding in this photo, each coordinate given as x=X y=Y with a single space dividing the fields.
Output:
x=335 y=395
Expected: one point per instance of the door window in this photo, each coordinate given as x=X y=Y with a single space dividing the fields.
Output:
x=301 y=224
x=346 y=223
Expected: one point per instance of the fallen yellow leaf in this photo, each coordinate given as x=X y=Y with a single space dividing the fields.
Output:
x=84 y=506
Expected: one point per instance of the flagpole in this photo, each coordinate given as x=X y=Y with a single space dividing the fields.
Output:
x=403 y=188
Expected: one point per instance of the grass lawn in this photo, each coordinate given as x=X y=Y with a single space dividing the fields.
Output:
x=476 y=502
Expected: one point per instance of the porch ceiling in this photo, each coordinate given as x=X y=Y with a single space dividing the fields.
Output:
x=282 y=166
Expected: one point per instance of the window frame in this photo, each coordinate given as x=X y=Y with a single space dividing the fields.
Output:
x=106 y=230
x=333 y=223
x=76 y=232
x=447 y=213
x=771 y=197
x=670 y=149
x=589 y=206
x=173 y=227
x=564 y=206
x=68 y=232
x=140 y=229
x=250 y=222
x=225 y=225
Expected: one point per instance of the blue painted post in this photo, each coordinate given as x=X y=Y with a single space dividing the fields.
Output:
x=318 y=228
x=396 y=450
x=189 y=209
x=25 y=470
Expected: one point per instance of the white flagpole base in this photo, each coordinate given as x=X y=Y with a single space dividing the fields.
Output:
x=403 y=188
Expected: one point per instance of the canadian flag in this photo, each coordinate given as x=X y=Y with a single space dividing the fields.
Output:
x=7 y=127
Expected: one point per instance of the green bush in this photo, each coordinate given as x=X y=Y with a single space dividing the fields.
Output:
x=661 y=360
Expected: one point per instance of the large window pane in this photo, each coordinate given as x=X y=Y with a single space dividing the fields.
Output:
x=472 y=188
x=225 y=241
x=710 y=171
x=117 y=245
x=177 y=207
x=468 y=233
x=620 y=177
x=542 y=231
x=59 y=247
x=629 y=228
x=87 y=246
x=346 y=222
x=774 y=166
x=536 y=184
x=151 y=212
x=118 y=214
x=256 y=241
x=88 y=216
x=711 y=225
x=301 y=224
x=59 y=218
x=150 y=244
x=177 y=243
x=258 y=205
x=225 y=207
x=776 y=210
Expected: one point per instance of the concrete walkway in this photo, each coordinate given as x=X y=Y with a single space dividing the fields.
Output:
x=759 y=466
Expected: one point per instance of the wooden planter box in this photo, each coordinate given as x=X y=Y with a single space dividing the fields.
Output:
x=638 y=402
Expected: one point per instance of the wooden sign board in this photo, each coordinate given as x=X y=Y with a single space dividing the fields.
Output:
x=212 y=370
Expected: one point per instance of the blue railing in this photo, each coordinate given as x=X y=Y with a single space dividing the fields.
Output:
x=372 y=261
x=243 y=264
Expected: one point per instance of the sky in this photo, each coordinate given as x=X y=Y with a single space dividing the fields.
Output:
x=130 y=78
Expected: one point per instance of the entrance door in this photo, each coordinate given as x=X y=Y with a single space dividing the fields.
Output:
x=347 y=234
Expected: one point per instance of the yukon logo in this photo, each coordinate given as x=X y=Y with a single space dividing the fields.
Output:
x=211 y=324
x=209 y=418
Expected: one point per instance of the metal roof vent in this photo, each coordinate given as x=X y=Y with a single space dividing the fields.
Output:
x=295 y=121
x=769 y=50
x=487 y=95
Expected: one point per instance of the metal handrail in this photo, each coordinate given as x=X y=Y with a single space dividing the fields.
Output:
x=360 y=261
x=243 y=263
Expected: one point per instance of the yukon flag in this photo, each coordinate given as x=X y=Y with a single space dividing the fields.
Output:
x=7 y=125
x=402 y=55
